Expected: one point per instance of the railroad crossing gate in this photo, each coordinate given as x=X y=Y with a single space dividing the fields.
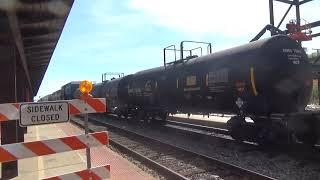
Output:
x=33 y=113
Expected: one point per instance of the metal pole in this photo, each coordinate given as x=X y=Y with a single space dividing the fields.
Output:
x=86 y=131
x=271 y=14
x=284 y=16
x=298 y=12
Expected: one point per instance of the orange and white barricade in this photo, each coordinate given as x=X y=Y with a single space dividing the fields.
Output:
x=102 y=172
x=53 y=112
x=17 y=151
x=10 y=111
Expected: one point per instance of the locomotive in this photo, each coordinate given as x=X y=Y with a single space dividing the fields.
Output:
x=258 y=80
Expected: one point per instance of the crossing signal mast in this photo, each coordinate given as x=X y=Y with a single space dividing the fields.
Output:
x=295 y=29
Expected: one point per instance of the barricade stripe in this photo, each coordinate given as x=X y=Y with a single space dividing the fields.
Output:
x=10 y=152
x=57 y=145
x=88 y=174
x=89 y=141
x=54 y=178
x=3 y=117
x=74 y=143
x=17 y=105
x=102 y=138
x=10 y=111
x=97 y=105
x=81 y=106
x=19 y=151
x=39 y=148
x=73 y=109
x=102 y=172
x=71 y=176
x=6 y=156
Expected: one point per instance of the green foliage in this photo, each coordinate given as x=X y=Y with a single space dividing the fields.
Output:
x=313 y=57
x=314 y=95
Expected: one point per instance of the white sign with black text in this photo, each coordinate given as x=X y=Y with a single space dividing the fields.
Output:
x=43 y=113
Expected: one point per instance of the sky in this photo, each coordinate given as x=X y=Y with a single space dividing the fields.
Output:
x=127 y=36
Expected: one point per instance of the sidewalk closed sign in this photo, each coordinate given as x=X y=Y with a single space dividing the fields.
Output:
x=43 y=113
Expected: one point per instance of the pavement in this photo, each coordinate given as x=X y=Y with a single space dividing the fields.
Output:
x=67 y=162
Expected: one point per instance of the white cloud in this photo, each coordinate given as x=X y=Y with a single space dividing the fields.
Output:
x=227 y=18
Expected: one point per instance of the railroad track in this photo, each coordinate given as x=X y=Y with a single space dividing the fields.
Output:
x=198 y=127
x=171 y=161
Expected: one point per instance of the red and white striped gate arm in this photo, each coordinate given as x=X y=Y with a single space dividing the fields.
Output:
x=96 y=173
x=16 y=151
x=10 y=111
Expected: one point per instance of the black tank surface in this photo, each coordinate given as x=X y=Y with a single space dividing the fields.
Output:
x=265 y=76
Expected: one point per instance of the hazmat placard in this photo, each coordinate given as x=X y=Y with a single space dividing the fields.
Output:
x=43 y=113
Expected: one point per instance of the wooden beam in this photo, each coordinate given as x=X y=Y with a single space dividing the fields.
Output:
x=53 y=23
x=14 y=26
x=41 y=46
x=39 y=52
x=37 y=58
x=42 y=36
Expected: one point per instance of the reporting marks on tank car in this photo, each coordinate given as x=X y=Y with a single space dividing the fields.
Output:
x=294 y=55
x=43 y=113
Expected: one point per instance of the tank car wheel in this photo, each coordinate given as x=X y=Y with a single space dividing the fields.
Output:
x=266 y=137
x=308 y=138
x=141 y=115
x=119 y=116
x=234 y=126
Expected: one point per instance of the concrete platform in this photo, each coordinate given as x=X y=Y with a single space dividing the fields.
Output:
x=62 y=163
x=218 y=118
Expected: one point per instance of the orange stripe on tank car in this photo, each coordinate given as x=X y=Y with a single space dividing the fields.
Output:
x=253 y=82
x=207 y=80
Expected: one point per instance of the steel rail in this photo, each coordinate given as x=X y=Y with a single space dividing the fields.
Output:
x=200 y=127
x=166 y=172
x=234 y=168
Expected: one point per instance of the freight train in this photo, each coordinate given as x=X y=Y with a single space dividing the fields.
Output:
x=66 y=92
x=268 y=80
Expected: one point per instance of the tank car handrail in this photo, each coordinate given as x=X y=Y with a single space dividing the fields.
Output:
x=209 y=47
x=164 y=53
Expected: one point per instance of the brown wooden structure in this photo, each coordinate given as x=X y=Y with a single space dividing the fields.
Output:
x=29 y=32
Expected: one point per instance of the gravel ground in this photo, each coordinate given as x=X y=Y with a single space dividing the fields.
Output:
x=144 y=168
x=279 y=166
x=179 y=161
x=184 y=163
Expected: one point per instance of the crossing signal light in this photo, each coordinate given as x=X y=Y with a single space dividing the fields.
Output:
x=85 y=87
